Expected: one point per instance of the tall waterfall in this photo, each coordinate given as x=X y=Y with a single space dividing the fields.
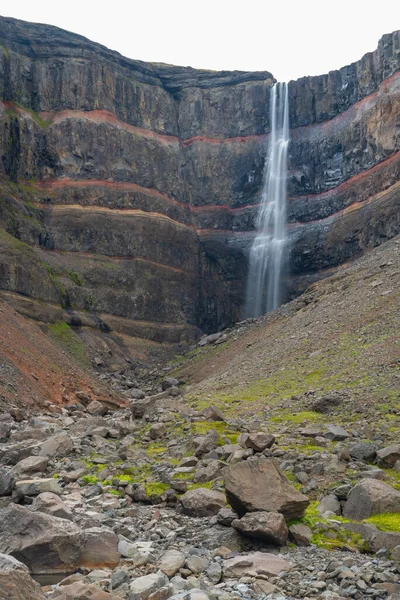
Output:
x=269 y=248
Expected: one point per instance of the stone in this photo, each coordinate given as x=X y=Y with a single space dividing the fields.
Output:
x=15 y=581
x=212 y=413
x=206 y=443
x=329 y=503
x=58 y=445
x=32 y=464
x=395 y=554
x=376 y=539
x=45 y=544
x=142 y=587
x=171 y=562
x=158 y=430
x=226 y=516
x=259 y=485
x=371 y=497
x=96 y=409
x=300 y=534
x=363 y=451
x=6 y=483
x=137 y=394
x=169 y=382
x=34 y=487
x=196 y=564
x=335 y=433
x=255 y=562
x=51 y=504
x=99 y=548
x=5 y=429
x=265 y=526
x=387 y=457
x=82 y=591
x=259 y=441
x=211 y=471
x=201 y=502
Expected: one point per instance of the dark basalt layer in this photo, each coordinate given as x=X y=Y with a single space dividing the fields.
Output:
x=135 y=186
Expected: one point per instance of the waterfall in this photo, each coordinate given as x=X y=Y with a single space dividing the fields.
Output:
x=269 y=248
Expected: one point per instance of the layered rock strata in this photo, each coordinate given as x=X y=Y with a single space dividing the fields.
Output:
x=135 y=186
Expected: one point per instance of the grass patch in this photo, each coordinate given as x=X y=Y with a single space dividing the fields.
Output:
x=385 y=522
x=69 y=341
x=155 y=488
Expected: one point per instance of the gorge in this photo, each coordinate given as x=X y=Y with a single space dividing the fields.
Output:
x=129 y=191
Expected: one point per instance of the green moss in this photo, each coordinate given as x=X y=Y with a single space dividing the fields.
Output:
x=183 y=476
x=37 y=118
x=155 y=488
x=63 y=335
x=90 y=479
x=195 y=486
x=16 y=244
x=75 y=277
x=115 y=492
x=385 y=522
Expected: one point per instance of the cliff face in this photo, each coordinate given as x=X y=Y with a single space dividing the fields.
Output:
x=129 y=190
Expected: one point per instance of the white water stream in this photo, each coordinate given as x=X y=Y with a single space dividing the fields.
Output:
x=269 y=248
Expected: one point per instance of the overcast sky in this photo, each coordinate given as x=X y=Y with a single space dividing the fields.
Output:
x=289 y=38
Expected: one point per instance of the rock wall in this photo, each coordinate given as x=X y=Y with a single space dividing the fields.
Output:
x=136 y=185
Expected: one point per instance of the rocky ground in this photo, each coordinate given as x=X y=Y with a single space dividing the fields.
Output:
x=264 y=463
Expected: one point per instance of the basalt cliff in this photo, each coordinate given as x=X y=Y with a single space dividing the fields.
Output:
x=129 y=190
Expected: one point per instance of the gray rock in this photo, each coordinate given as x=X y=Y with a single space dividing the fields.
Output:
x=255 y=562
x=259 y=441
x=32 y=464
x=169 y=382
x=259 y=485
x=96 y=409
x=142 y=587
x=371 y=497
x=265 y=526
x=201 y=502
x=335 y=433
x=226 y=516
x=6 y=483
x=58 y=445
x=51 y=504
x=387 y=457
x=363 y=451
x=301 y=534
x=171 y=562
x=211 y=413
x=376 y=539
x=137 y=394
x=158 y=430
x=34 y=487
x=15 y=581
x=329 y=503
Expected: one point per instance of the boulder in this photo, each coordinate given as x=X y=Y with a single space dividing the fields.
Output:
x=259 y=485
x=34 y=487
x=6 y=483
x=212 y=413
x=142 y=587
x=265 y=526
x=5 y=429
x=300 y=534
x=169 y=382
x=57 y=445
x=45 y=544
x=363 y=451
x=371 y=497
x=49 y=545
x=201 y=502
x=51 y=504
x=206 y=443
x=259 y=441
x=32 y=464
x=96 y=409
x=211 y=471
x=158 y=430
x=137 y=394
x=329 y=503
x=335 y=433
x=171 y=562
x=376 y=539
x=82 y=591
x=255 y=562
x=387 y=457
x=15 y=581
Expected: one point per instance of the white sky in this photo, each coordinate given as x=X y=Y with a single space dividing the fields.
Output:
x=289 y=38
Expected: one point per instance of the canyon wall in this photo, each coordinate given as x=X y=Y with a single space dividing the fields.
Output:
x=128 y=190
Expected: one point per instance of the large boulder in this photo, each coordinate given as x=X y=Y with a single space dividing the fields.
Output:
x=49 y=545
x=51 y=504
x=256 y=562
x=171 y=562
x=15 y=581
x=34 y=487
x=268 y=527
x=387 y=457
x=201 y=502
x=27 y=466
x=259 y=485
x=57 y=445
x=371 y=497
x=142 y=587
x=259 y=441
x=82 y=591
x=376 y=539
